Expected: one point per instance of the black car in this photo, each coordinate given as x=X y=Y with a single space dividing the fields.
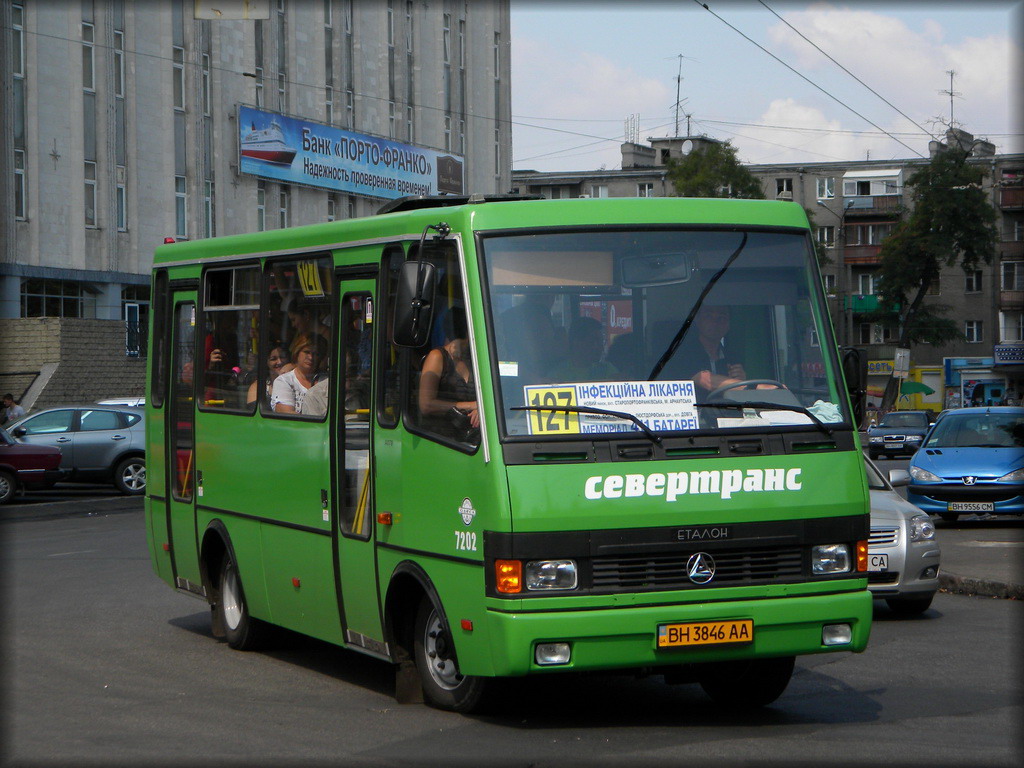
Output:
x=899 y=432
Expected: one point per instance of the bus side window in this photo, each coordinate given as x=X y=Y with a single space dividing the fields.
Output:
x=297 y=365
x=230 y=337
x=389 y=395
x=442 y=391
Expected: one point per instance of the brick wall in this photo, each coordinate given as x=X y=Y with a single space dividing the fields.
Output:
x=90 y=358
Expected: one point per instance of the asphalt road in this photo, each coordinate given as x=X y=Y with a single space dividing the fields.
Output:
x=106 y=663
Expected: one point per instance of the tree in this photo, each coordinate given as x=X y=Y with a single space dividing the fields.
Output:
x=713 y=171
x=952 y=222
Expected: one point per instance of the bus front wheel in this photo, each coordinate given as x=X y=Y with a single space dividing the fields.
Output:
x=444 y=686
x=242 y=631
x=748 y=683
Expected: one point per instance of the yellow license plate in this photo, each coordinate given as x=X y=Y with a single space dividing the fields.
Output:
x=705 y=633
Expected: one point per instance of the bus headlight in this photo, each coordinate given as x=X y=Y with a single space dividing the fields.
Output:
x=830 y=558
x=550 y=574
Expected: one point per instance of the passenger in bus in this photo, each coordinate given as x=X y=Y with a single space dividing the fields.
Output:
x=626 y=355
x=278 y=362
x=290 y=389
x=586 y=348
x=307 y=325
x=447 y=393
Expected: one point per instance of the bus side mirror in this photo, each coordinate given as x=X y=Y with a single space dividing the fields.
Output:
x=414 y=303
x=855 y=373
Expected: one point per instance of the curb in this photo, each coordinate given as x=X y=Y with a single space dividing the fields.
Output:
x=967 y=585
x=116 y=505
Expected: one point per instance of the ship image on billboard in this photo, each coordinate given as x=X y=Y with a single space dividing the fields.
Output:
x=296 y=151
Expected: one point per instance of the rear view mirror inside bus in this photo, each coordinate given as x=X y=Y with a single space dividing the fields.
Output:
x=414 y=303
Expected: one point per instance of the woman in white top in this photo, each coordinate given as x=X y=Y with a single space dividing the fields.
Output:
x=290 y=388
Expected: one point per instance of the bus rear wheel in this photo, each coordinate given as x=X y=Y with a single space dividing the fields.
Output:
x=242 y=631
x=749 y=683
x=444 y=686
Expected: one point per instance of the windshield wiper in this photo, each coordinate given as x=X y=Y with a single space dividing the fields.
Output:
x=773 y=406
x=597 y=411
x=678 y=338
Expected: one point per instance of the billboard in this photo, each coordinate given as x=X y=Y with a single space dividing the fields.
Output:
x=296 y=151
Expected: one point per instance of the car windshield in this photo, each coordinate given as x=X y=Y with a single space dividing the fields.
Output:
x=904 y=420
x=978 y=430
x=661 y=325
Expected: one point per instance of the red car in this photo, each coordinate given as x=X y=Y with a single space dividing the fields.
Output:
x=26 y=466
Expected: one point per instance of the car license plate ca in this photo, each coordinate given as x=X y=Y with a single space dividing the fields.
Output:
x=705 y=633
x=878 y=562
x=971 y=506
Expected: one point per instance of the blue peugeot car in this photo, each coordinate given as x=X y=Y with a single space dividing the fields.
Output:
x=972 y=461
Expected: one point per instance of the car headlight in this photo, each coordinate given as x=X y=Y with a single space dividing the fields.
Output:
x=1017 y=476
x=874 y=439
x=924 y=476
x=830 y=558
x=550 y=574
x=920 y=528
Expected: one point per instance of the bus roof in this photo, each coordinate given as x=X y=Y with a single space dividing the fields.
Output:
x=495 y=214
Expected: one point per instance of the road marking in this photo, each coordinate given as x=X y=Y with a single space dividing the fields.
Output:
x=79 y=552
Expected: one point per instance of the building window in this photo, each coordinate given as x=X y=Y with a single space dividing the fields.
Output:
x=866 y=284
x=826 y=236
x=934 y=288
x=645 y=189
x=864 y=333
x=205 y=84
x=329 y=105
x=122 y=209
x=867 y=234
x=826 y=188
x=90 y=193
x=392 y=121
x=283 y=218
x=88 y=57
x=119 y=64
x=447 y=38
x=447 y=133
x=784 y=189
x=1013 y=276
x=19 y=184
x=179 y=78
x=209 y=226
x=410 y=131
x=180 y=209
x=408 y=26
x=391 y=22
x=350 y=109
x=873 y=187
x=261 y=206
x=1011 y=326
x=972 y=281
x=282 y=91
x=973 y=330
x=497 y=152
x=829 y=282
x=599 y=190
x=332 y=208
x=55 y=298
x=18 y=39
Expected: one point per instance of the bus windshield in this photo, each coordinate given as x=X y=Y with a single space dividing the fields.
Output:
x=683 y=330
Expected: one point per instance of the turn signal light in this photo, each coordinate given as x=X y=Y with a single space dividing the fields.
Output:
x=862 y=557
x=508 y=576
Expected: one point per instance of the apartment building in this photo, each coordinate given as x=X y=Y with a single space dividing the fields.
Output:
x=127 y=123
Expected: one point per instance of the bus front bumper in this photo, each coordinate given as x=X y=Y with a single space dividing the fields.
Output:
x=626 y=637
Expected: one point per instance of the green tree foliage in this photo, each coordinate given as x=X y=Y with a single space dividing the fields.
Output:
x=952 y=222
x=713 y=170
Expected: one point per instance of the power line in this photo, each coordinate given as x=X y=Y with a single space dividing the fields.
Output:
x=805 y=78
x=845 y=69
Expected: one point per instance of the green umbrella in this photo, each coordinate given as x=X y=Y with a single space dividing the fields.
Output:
x=912 y=387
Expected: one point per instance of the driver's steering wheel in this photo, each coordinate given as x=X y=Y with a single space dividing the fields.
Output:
x=745 y=384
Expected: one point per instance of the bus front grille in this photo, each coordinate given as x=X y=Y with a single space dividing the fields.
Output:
x=669 y=571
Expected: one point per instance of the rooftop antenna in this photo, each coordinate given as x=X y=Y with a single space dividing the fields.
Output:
x=951 y=93
x=679 y=100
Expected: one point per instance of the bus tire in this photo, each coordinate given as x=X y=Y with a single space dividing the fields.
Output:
x=434 y=654
x=748 y=683
x=242 y=631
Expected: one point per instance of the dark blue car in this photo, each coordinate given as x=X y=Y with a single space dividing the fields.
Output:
x=971 y=462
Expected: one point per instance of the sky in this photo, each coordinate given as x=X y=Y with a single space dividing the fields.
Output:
x=581 y=70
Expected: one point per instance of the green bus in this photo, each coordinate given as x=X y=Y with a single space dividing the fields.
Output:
x=484 y=437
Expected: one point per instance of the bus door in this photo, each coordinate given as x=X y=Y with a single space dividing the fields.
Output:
x=179 y=413
x=354 y=514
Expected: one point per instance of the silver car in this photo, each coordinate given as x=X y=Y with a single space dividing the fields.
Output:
x=903 y=555
x=98 y=443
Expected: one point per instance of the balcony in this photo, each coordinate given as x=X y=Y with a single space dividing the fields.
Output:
x=861 y=254
x=1011 y=249
x=873 y=205
x=1011 y=197
x=1011 y=300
